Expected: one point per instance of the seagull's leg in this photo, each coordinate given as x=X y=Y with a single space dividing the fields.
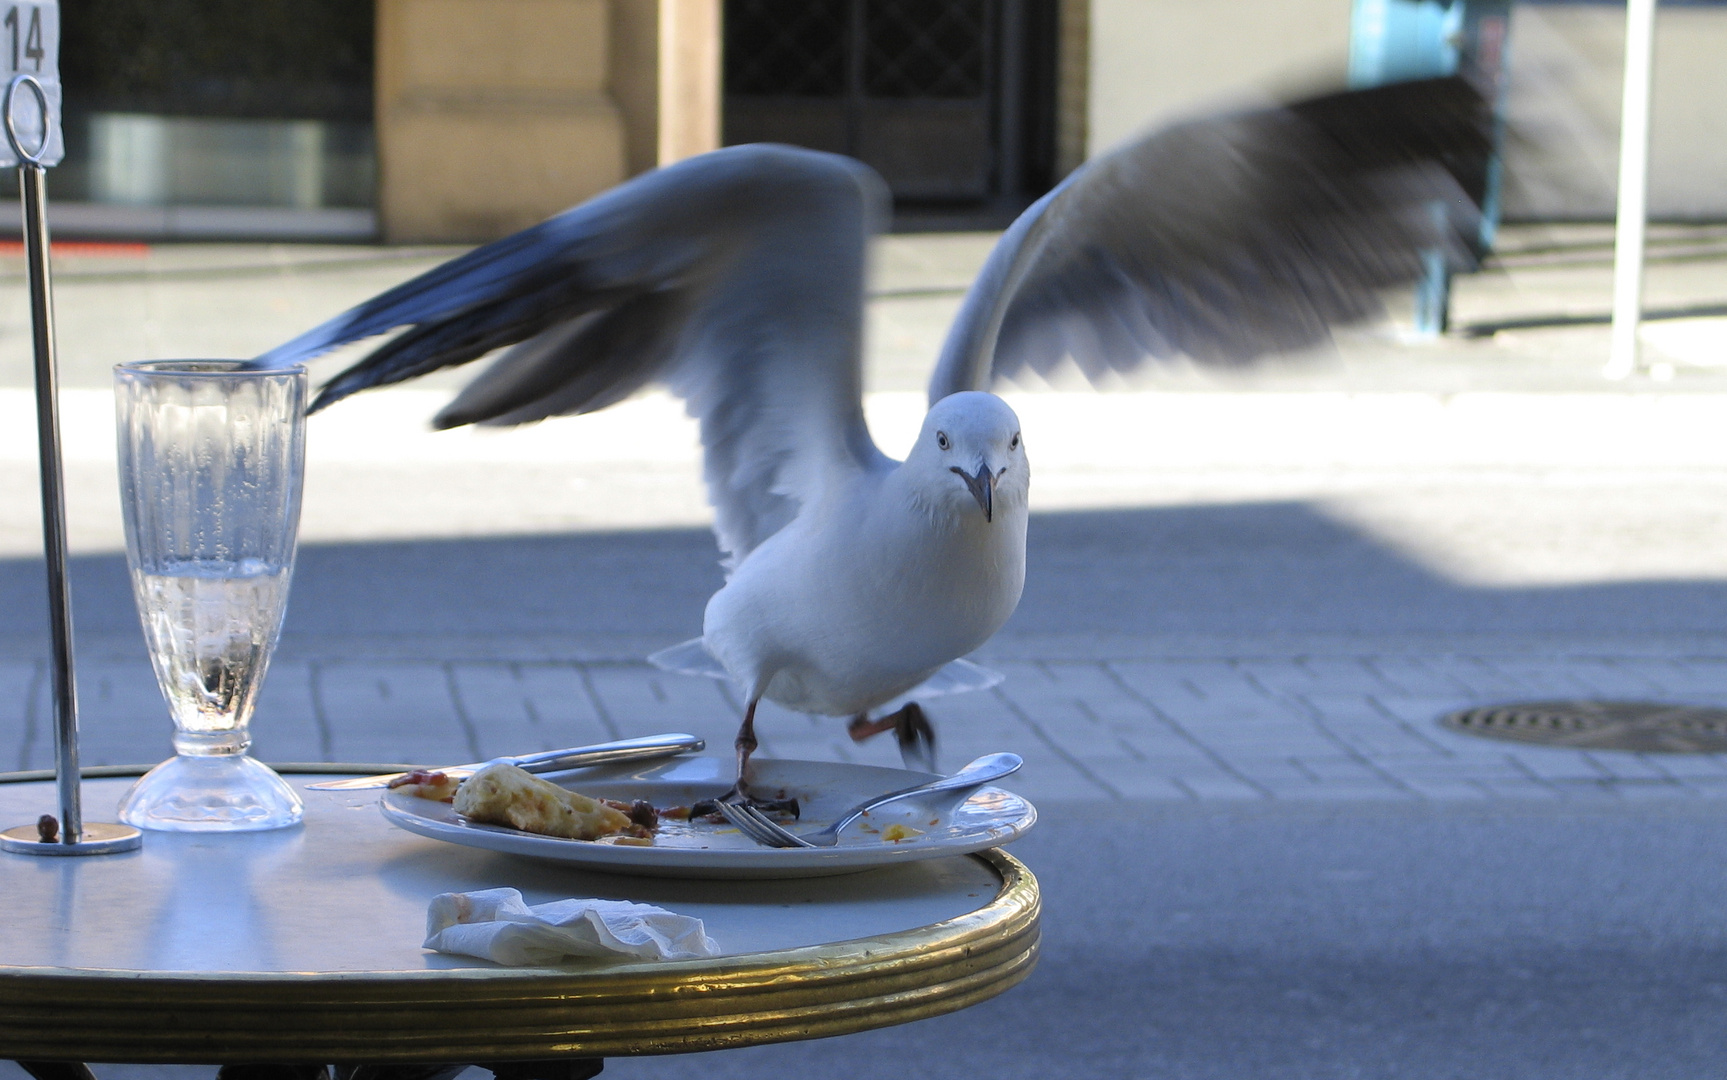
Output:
x=911 y=727
x=861 y=727
x=746 y=745
x=740 y=792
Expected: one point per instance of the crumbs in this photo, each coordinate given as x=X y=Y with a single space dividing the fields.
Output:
x=426 y=784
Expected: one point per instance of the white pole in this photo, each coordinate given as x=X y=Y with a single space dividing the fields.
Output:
x=1633 y=187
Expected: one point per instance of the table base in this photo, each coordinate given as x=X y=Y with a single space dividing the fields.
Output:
x=99 y=838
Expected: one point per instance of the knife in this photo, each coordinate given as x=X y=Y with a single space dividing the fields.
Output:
x=648 y=746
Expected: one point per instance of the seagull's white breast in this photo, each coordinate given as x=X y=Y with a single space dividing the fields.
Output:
x=865 y=595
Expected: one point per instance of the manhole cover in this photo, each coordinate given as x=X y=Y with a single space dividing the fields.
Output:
x=1600 y=725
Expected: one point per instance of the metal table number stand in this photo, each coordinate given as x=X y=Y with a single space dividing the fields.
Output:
x=74 y=835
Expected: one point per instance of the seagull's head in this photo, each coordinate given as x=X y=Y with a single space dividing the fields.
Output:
x=970 y=455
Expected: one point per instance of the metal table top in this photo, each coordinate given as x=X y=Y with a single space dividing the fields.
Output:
x=303 y=945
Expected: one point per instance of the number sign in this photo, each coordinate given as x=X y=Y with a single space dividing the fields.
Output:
x=30 y=45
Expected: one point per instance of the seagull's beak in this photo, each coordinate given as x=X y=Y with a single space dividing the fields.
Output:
x=982 y=487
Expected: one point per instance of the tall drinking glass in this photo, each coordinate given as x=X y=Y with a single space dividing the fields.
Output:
x=211 y=460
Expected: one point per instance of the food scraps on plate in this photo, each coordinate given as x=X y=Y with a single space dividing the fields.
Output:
x=505 y=795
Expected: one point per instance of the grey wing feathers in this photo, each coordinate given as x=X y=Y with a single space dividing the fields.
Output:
x=734 y=278
x=1225 y=239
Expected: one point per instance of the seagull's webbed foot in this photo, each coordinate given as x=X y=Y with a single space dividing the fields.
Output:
x=741 y=791
x=780 y=806
x=912 y=729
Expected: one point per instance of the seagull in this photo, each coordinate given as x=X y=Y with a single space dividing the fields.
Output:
x=737 y=280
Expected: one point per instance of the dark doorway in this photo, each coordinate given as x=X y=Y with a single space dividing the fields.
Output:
x=952 y=101
x=230 y=103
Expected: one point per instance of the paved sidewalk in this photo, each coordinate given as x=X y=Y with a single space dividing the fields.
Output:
x=1255 y=728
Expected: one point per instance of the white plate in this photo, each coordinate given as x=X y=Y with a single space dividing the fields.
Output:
x=987 y=817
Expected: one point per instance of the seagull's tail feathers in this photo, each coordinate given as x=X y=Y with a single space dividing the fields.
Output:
x=954 y=677
x=690 y=658
x=1224 y=239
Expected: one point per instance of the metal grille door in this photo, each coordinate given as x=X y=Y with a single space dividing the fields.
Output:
x=925 y=91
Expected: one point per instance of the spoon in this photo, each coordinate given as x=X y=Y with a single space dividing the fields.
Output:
x=764 y=830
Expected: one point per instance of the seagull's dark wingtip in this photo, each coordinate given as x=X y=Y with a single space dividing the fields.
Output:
x=331 y=392
x=445 y=420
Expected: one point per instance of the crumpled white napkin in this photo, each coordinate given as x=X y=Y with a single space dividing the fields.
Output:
x=496 y=924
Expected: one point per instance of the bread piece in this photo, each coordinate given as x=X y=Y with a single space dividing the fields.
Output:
x=506 y=795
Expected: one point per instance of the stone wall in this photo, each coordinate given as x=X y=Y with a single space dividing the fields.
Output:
x=492 y=114
x=495 y=114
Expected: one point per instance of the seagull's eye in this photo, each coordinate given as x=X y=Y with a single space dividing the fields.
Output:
x=941 y=440
x=1013 y=443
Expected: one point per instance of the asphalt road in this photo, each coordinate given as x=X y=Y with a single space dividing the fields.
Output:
x=1338 y=941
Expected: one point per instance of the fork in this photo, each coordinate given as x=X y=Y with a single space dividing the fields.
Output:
x=765 y=831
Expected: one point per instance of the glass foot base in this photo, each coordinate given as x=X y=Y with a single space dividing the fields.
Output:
x=227 y=793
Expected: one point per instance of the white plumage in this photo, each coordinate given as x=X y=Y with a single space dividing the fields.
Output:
x=890 y=574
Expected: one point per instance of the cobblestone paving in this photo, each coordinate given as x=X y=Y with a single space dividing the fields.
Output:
x=1245 y=728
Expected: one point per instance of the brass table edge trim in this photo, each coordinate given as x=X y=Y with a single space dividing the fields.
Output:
x=659 y=1008
x=717 y=1032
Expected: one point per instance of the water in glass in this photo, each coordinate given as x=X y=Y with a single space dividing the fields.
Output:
x=209 y=625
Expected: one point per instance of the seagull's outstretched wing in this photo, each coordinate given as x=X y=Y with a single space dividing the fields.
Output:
x=1227 y=238
x=735 y=278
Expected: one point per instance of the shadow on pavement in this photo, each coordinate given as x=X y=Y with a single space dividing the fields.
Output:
x=1236 y=569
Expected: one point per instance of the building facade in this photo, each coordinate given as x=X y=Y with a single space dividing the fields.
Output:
x=462 y=120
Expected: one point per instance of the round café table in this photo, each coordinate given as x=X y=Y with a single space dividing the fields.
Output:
x=301 y=948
